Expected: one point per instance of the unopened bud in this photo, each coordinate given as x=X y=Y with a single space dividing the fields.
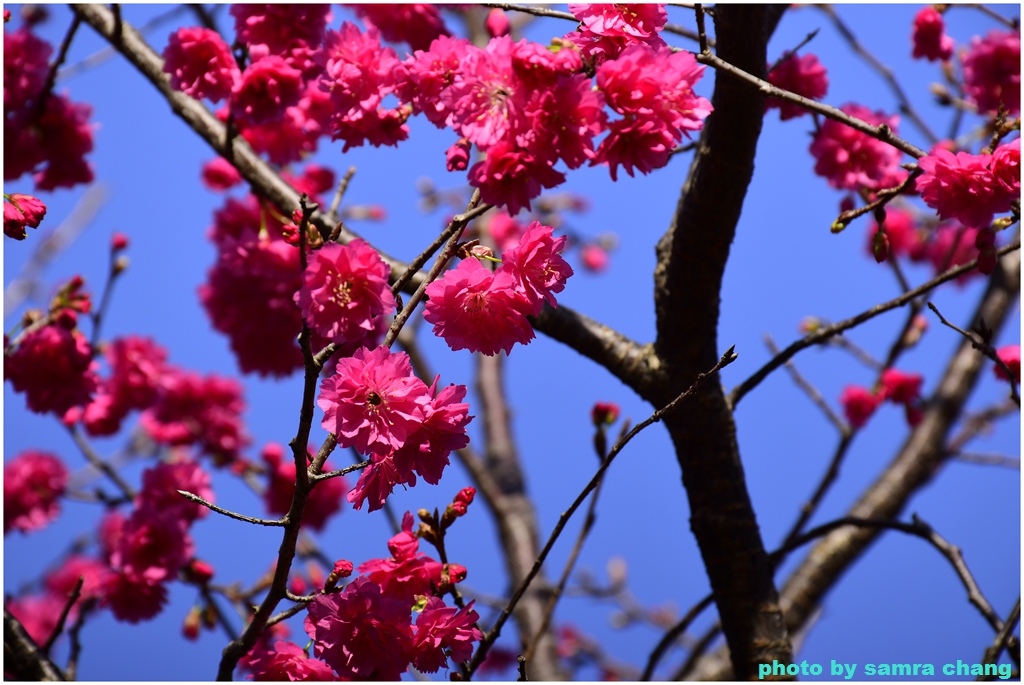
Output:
x=604 y=413
x=880 y=246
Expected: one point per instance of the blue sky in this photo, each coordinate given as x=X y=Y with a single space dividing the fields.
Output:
x=900 y=603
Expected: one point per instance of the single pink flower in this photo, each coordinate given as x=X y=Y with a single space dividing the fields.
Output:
x=200 y=64
x=900 y=387
x=286 y=662
x=497 y=23
x=53 y=366
x=642 y=143
x=26 y=65
x=417 y=24
x=344 y=288
x=373 y=402
x=361 y=633
x=428 y=73
x=153 y=546
x=442 y=631
x=1006 y=172
x=859 y=404
x=961 y=187
x=486 y=97
x=512 y=176
x=64 y=578
x=21 y=211
x=442 y=432
x=804 y=76
x=160 y=485
x=594 y=257
x=537 y=266
x=929 y=36
x=219 y=174
x=1010 y=354
x=33 y=485
x=992 y=71
x=133 y=599
x=38 y=614
x=378 y=480
x=852 y=160
x=477 y=310
x=265 y=90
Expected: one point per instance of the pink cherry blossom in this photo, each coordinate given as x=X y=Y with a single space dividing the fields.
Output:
x=457 y=156
x=378 y=480
x=537 y=266
x=286 y=662
x=361 y=633
x=1010 y=354
x=200 y=64
x=1006 y=172
x=606 y=30
x=953 y=245
x=428 y=73
x=512 y=176
x=961 y=186
x=38 y=614
x=442 y=630
x=276 y=28
x=804 y=76
x=26 y=65
x=198 y=410
x=565 y=116
x=851 y=159
x=992 y=71
x=33 y=485
x=219 y=174
x=21 y=211
x=486 y=97
x=373 y=402
x=53 y=145
x=160 y=485
x=64 y=578
x=477 y=310
x=133 y=599
x=417 y=24
x=324 y=500
x=504 y=230
x=153 y=546
x=53 y=366
x=358 y=74
x=929 y=36
x=859 y=404
x=594 y=257
x=900 y=387
x=344 y=288
x=442 y=432
x=905 y=239
x=408 y=572
x=265 y=90
x=497 y=23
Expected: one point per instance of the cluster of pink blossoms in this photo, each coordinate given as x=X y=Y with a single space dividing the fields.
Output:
x=366 y=632
x=992 y=72
x=323 y=502
x=526 y=106
x=44 y=133
x=33 y=485
x=804 y=76
x=375 y=404
x=971 y=188
x=485 y=311
x=895 y=386
x=929 y=36
x=943 y=245
x=852 y=160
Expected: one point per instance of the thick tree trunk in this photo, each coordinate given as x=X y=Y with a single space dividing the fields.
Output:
x=691 y=261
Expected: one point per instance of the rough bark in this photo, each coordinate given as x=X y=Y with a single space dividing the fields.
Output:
x=691 y=262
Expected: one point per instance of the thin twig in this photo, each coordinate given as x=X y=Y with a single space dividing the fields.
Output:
x=809 y=389
x=987 y=459
x=51 y=76
x=332 y=213
x=673 y=634
x=986 y=349
x=1004 y=637
x=100 y=464
x=883 y=71
x=231 y=514
x=492 y=635
x=76 y=594
x=827 y=332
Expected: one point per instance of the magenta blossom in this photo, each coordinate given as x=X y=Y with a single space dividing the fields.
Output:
x=265 y=90
x=804 y=76
x=443 y=630
x=1010 y=355
x=477 y=310
x=537 y=266
x=606 y=30
x=859 y=404
x=373 y=402
x=286 y=662
x=962 y=186
x=33 y=485
x=851 y=159
x=344 y=288
x=992 y=72
x=200 y=64
x=929 y=36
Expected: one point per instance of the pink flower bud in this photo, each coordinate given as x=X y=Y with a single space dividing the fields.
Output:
x=199 y=571
x=497 y=23
x=880 y=246
x=457 y=156
x=594 y=258
x=604 y=413
x=342 y=568
x=118 y=242
x=858 y=404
